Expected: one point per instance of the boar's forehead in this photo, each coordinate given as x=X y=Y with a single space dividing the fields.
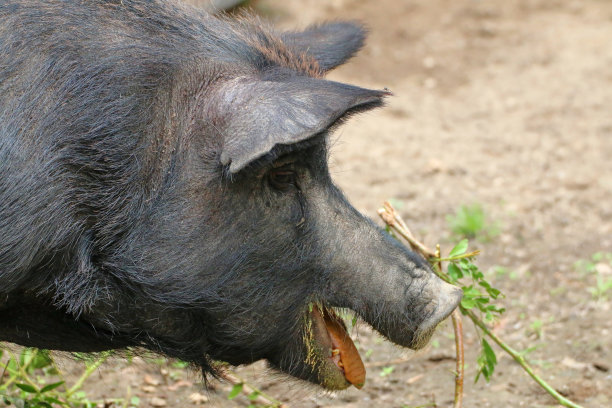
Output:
x=259 y=115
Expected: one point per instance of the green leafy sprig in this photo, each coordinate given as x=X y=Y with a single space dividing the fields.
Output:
x=478 y=294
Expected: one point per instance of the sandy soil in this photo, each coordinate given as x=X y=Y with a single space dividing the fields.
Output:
x=501 y=103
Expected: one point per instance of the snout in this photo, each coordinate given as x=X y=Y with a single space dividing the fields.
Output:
x=449 y=297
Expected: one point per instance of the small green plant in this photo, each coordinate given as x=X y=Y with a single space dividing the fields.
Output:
x=594 y=266
x=470 y=221
x=601 y=288
x=385 y=371
x=256 y=397
x=588 y=266
x=536 y=327
x=34 y=381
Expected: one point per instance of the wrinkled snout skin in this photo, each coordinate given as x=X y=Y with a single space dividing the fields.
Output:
x=164 y=184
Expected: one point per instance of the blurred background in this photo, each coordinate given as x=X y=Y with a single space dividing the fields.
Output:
x=500 y=131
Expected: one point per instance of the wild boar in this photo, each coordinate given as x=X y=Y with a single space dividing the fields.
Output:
x=164 y=184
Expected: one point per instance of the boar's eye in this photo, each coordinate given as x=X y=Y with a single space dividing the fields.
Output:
x=282 y=179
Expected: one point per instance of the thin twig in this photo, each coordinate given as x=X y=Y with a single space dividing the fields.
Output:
x=458 y=327
x=23 y=369
x=247 y=389
x=389 y=216
x=458 y=257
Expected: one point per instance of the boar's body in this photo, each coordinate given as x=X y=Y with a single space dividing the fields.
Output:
x=164 y=184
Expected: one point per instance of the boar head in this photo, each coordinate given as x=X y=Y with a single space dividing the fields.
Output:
x=267 y=246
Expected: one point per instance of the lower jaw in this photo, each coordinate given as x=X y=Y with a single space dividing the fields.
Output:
x=319 y=367
x=333 y=379
x=327 y=374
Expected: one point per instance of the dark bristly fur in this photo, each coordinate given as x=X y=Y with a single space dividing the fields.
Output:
x=137 y=144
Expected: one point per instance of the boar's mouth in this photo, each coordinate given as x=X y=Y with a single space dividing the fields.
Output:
x=331 y=352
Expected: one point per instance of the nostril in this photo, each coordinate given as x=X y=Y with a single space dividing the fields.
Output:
x=449 y=300
x=449 y=297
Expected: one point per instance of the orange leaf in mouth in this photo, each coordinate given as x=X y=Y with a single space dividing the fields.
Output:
x=342 y=350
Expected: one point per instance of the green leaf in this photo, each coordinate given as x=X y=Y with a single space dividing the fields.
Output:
x=385 y=371
x=489 y=353
x=27 y=388
x=237 y=389
x=80 y=395
x=51 y=387
x=471 y=292
x=52 y=400
x=354 y=321
x=477 y=274
x=459 y=249
x=468 y=303
x=484 y=284
x=253 y=396
x=486 y=362
x=454 y=272
x=135 y=401
x=493 y=292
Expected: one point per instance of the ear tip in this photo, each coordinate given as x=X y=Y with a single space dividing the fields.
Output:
x=386 y=92
x=330 y=43
x=345 y=30
x=353 y=27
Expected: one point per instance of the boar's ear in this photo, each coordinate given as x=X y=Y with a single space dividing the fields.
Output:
x=262 y=117
x=330 y=44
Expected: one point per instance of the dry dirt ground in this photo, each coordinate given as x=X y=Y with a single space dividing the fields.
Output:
x=502 y=103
